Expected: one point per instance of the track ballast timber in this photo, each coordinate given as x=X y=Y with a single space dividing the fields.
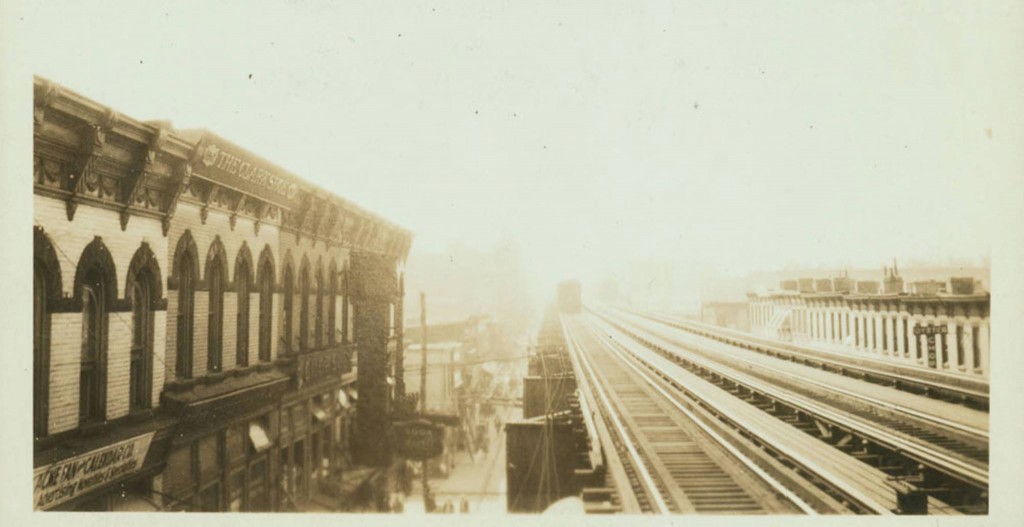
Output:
x=688 y=471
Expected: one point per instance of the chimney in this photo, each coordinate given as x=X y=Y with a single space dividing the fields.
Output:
x=962 y=285
x=893 y=284
x=927 y=287
x=842 y=284
x=867 y=287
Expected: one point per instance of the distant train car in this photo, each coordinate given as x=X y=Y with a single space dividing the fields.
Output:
x=569 y=297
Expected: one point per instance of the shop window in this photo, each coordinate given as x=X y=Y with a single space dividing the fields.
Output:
x=235 y=445
x=209 y=457
x=179 y=477
x=258 y=499
x=287 y=481
x=209 y=498
x=140 y=382
x=236 y=491
x=299 y=467
x=319 y=323
x=304 y=308
x=242 y=322
x=215 y=329
x=92 y=397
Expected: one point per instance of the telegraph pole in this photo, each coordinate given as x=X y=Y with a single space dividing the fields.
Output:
x=423 y=391
x=423 y=351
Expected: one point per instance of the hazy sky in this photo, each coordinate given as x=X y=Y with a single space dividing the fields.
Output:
x=730 y=136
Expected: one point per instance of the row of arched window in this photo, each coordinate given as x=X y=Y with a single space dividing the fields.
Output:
x=317 y=316
x=94 y=296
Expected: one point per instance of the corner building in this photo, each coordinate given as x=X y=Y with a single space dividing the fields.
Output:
x=199 y=312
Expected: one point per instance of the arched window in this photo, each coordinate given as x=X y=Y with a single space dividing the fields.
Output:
x=288 y=307
x=46 y=289
x=304 y=308
x=215 y=330
x=143 y=290
x=346 y=334
x=92 y=387
x=242 y=325
x=332 y=297
x=266 y=279
x=319 y=308
x=140 y=383
x=186 y=270
x=40 y=351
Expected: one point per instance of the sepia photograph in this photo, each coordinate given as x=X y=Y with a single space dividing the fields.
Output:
x=512 y=261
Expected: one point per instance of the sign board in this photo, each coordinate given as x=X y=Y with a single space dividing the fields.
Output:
x=418 y=440
x=931 y=331
x=231 y=165
x=319 y=366
x=64 y=480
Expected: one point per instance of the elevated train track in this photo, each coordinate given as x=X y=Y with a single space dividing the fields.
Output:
x=970 y=391
x=674 y=461
x=920 y=454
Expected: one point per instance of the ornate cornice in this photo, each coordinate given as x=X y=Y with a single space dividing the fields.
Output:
x=85 y=152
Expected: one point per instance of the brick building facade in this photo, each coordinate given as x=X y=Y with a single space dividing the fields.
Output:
x=886 y=320
x=198 y=312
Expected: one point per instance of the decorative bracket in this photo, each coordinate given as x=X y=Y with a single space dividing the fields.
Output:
x=184 y=179
x=234 y=212
x=210 y=196
x=306 y=219
x=261 y=213
x=134 y=183
x=46 y=95
x=331 y=213
x=92 y=145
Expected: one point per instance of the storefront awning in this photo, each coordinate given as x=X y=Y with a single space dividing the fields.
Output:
x=258 y=436
x=319 y=414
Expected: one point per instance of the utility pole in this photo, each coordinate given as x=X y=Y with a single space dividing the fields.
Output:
x=423 y=352
x=423 y=392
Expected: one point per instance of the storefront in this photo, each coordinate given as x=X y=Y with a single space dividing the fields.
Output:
x=222 y=458
x=315 y=428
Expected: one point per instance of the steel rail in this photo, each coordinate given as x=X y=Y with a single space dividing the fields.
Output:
x=642 y=469
x=934 y=419
x=950 y=465
x=724 y=443
x=724 y=334
x=803 y=461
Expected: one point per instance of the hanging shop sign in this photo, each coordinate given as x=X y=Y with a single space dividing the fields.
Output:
x=418 y=440
x=64 y=480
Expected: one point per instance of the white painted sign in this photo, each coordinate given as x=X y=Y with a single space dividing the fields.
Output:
x=61 y=481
